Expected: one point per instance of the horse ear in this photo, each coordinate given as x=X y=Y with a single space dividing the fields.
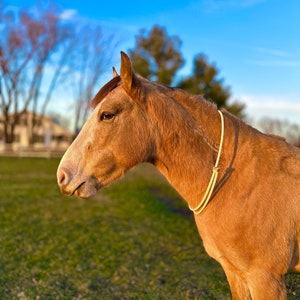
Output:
x=114 y=72
x=129 y=79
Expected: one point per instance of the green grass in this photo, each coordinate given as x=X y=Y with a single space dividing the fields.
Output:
x=135 y=240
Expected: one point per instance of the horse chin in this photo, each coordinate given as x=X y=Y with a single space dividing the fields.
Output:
x=87 y=189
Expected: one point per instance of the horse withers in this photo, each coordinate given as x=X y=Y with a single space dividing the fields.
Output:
x=243 y=185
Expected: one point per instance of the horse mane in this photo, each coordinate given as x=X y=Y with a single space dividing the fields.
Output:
x=187 y=100
x=192 y=103
x=105 y=90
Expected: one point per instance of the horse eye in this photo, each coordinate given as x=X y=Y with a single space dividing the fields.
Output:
x=106 y=116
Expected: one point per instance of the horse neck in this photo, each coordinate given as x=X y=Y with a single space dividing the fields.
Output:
x=187 y=150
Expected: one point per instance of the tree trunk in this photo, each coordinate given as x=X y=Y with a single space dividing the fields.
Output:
x=8 y=135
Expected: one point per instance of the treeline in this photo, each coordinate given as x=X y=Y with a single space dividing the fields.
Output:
x=43 y=49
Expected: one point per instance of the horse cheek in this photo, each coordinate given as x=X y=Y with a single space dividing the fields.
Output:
x=132 y=146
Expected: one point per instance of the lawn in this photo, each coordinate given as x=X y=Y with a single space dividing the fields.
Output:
x=135 y=240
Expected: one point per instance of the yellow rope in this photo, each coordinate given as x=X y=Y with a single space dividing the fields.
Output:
x=215 y=171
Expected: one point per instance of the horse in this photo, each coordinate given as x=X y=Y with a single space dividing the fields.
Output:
x=242 y=185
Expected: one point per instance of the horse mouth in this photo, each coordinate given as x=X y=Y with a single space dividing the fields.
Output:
x=76 y=192
x=87 y=189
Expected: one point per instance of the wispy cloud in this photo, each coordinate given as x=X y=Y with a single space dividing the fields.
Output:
x=282 y=63
x=68 y=14
x=272 y=57
x=272 y=51
x=214 y=5
x=274 y=106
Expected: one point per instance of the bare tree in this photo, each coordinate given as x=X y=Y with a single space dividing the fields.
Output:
x=27 y=43
x=91 y=57
x=286 y=129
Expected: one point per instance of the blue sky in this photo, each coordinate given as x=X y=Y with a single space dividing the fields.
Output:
x=254 y=43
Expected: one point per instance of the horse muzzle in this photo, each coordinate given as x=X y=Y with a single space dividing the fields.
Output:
x=79 y=186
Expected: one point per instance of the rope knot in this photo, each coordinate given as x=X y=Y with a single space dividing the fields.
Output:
x=215 y=170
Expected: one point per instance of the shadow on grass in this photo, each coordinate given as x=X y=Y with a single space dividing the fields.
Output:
x=172 y=203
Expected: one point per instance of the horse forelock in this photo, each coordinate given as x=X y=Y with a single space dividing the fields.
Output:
x=105 y=90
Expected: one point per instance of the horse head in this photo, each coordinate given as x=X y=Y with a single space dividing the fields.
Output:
x=115 y=138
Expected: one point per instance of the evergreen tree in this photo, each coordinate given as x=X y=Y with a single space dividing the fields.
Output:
x=156 y=55
x=204 y=80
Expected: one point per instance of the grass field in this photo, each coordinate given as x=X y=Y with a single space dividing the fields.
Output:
x=135 y=240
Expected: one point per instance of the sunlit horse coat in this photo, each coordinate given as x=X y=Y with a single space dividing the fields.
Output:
x=251 y=224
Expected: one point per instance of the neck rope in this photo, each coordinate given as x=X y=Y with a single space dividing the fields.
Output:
x=215 y=171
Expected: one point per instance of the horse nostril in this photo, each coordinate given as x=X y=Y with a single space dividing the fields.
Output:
x=62 y=177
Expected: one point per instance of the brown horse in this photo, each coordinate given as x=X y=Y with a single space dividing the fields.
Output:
x=249 y=218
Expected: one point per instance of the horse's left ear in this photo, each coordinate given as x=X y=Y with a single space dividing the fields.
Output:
x=114 y=72
x=129 y=79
